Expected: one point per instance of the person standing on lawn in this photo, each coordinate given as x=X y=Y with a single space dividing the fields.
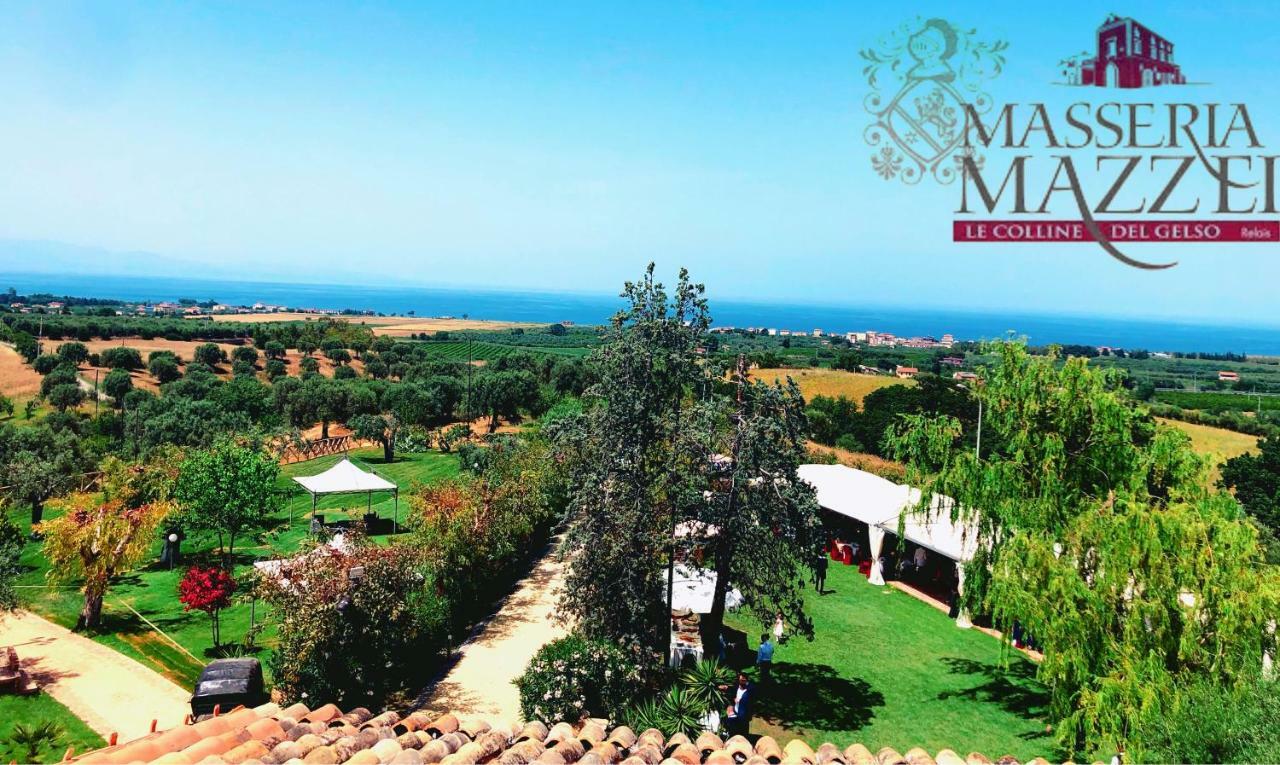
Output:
x=764 y=658
x=820 y=573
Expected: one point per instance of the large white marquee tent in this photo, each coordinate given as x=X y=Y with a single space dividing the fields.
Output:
x=891 y=508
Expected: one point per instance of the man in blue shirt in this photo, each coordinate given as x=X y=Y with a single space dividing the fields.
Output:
x=764 y=657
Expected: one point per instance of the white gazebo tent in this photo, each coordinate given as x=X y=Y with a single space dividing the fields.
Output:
x=935 y=531
x=862 y=496
x=346 y=478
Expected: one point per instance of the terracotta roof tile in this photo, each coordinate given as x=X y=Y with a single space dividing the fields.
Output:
x=296 y=735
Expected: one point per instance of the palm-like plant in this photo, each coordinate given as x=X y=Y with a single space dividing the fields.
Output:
x=34 y=736
x=645 y=715
x=678 y=712
x=704 y=682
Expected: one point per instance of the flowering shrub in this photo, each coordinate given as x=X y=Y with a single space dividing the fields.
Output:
x=207 y=589
x=574 y=677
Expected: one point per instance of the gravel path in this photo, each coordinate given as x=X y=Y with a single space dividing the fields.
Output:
x=479 y=683
x=109 y=691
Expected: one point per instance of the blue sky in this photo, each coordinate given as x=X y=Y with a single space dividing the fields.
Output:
x=563 y=145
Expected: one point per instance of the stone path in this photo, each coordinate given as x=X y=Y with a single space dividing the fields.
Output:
x=479 y=683
x=109 y=691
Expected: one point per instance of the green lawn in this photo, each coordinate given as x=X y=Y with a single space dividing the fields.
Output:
x=885 y=669
x=152 y=589
x=32 y=710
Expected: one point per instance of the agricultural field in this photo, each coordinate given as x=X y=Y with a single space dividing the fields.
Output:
x=394 y=326
x=17 y=380
x=1218 y=444
x=830 y=382
x=185 y=350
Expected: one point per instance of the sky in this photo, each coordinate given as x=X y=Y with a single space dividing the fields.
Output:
x=564 y=145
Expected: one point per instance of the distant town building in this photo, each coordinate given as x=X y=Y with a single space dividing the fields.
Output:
x=1227 y=376
x=817 y=333
x=772 y=332
x=952 y=361
x=965 y=376
x=905 y=373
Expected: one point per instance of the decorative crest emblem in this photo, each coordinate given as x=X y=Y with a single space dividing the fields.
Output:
x=930 y=70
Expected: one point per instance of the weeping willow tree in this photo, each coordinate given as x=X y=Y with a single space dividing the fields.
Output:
x=1095 y=532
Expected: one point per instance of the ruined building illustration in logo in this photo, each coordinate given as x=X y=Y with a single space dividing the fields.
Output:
x=929 y=71
x=1129 y=55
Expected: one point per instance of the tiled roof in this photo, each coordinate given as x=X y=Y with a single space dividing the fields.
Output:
x=326 y=736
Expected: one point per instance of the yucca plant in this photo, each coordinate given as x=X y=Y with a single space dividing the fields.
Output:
x=679 y=713
x=34 y=736
x=644 y=715
x=703 y=682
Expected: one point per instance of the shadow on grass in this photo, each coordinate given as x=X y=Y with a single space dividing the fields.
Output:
x=816 y=697
x=1014 y=688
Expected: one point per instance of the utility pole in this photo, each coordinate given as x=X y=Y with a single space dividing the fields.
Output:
x=977 y=447
x=96 y=394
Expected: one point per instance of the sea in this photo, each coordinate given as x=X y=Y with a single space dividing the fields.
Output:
x=581 y=308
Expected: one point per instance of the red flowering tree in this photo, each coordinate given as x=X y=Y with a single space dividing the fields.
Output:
x=207 y=589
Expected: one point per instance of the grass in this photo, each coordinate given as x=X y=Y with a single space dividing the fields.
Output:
x=887 y=670
x=1218 y=444
x=32 y=710
x=176 y=643
x=885 y=468
x=831 y=382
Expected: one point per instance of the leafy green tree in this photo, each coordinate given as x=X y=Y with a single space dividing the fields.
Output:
x=228 y=490
x=1255 y=480
x=1093 y=531
x=246 y=354
x=164 y=369
x=11 y=544
x=359 y=632
x=46 y=363
x=329 y=399
x=104 y=534
x=766 y=519
x=628 y=480
x=504 y=394
x=1204 y=724
x=274 y=349
x=37 y=464
x=63 y=374
x=6 y=406
x=121 y=357
x=117 y=385
x=209 y=354
x=66 y=396
x=275 y=368
x=74 y=353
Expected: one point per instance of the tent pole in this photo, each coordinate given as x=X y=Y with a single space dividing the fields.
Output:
x=395 y=513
